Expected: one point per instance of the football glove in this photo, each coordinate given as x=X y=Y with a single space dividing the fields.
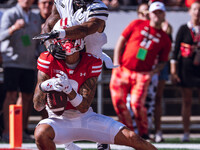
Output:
x=52 y=84
x=56 y=51
x=64 y=82
x=60 y=33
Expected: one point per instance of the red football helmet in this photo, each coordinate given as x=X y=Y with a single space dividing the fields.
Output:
x=70 y=46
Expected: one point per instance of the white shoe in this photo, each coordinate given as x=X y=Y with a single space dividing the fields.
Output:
x=71 y=146
x=158 y=137
x=186 y=137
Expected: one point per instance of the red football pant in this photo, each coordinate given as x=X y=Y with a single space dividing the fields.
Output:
x=124 y=81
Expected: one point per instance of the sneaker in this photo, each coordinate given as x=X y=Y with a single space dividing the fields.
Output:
x=147 y=138
x=158 y=137
x=103 y=146
x=71 y=146
x=186 y=137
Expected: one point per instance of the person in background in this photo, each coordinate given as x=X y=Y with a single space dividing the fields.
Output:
x=18 y=25
x=45 y=7
x=111 y=4
x=185 y=64
x=2 y=89
x=163 y=76
x=157 y=84
x=135 y=71
x=143 y=11
x=143 y=14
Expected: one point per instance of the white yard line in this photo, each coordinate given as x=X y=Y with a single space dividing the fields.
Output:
x=113 y=147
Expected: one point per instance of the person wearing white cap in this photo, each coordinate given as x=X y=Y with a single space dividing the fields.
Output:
x=139 y=45
x=157 y=6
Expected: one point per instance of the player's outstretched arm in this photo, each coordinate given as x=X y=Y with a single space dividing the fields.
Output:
x=49 y=23
x=80 y=31
x=39 y=98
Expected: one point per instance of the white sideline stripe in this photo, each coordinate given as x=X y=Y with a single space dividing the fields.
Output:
x=114 y=147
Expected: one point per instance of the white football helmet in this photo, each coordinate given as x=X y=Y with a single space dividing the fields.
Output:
x=70 y=46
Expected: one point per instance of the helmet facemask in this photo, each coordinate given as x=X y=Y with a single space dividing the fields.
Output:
x=68 y=45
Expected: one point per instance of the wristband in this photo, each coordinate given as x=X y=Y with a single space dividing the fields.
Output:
x=42 y=88
x=62 y=33
x=77 y=100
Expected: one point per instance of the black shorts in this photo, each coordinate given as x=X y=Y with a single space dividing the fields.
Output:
x=17 y=79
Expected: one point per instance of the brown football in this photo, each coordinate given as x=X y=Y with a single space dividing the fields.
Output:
x=57 y=102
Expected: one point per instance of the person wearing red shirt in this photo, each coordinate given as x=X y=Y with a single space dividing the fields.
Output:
x=140 y=44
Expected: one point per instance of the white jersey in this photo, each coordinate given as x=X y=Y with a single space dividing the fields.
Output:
x=97 y=9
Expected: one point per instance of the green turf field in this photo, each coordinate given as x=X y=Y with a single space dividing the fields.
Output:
x=169 y=144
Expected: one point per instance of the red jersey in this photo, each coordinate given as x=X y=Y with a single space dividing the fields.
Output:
x=144 y=45
x=89 y=66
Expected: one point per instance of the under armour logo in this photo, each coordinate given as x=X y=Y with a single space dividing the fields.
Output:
x=83 y=74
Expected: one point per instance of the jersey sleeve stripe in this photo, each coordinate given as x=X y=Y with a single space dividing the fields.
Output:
x=96 y=71
x=43 y=66
x=96 y=67
x=100 y=8
x=43 y=61
x=103 y=14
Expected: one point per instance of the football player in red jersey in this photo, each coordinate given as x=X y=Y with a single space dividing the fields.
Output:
x=77 y=77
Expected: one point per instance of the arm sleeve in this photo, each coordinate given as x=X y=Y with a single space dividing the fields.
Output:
x=95 y=67
x=44 y=62
x=98 y=10
x=128 y=30
x=6 y=22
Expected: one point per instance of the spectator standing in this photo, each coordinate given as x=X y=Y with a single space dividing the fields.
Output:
x=2 y=89
x=143 y=11
x=163 y=76
x=111 y=4
x=45 y=8
x=143 y=14
x=135 y=71
x=185 y=63
x=19 y=24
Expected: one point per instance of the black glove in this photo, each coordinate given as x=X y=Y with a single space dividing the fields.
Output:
x=53 y=34
x=56 y=51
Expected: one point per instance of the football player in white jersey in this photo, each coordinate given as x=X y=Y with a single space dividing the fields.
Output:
x=91 y=16
x=77 y=78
